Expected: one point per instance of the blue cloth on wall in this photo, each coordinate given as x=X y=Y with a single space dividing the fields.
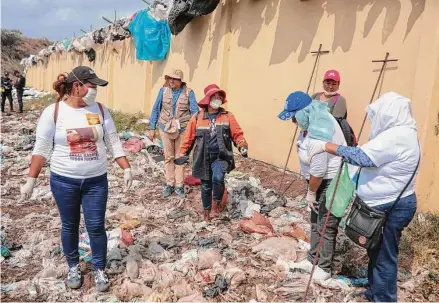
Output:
x=151 y=37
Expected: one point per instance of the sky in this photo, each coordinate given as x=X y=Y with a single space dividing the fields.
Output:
x=59 y=19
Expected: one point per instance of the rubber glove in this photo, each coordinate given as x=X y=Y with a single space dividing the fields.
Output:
x=315 y=148
x=27 y=189
x=244 y=151
x=311 y=200
x=127 y=178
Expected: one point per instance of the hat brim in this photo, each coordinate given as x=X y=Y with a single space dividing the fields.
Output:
x=206 y=100
x=173 y=77
x=285 y=116
x=98 y=81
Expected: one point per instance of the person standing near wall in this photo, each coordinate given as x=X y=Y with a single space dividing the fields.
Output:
x=336 y=102
x=76 y=130
x=388 y=162
x=7 y=92
x=315 y=122
x=19 y=87
x=212 y=132
x=174 y=106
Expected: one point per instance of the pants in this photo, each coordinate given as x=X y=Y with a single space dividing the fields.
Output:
x=326 y=254
x=7 y=94
x=92 y=194
x=20 y=99
x=174 y=174
x=383 y=261
x=215 y=184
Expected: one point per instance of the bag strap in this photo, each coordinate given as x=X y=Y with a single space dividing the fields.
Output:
x=407 y=185
x=55 y=114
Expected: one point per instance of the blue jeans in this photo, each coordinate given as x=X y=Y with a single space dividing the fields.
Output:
x=92 y=194
x=215 y=183
x=383 y=261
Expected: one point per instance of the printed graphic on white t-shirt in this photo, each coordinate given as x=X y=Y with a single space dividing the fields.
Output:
x=82 y=143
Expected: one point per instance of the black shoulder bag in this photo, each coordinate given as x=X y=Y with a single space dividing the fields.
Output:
x=364 y=225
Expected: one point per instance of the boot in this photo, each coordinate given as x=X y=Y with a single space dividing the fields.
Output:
x=206 y=215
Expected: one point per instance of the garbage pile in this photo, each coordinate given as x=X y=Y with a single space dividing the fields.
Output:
x=150 y=28
x=159 y=249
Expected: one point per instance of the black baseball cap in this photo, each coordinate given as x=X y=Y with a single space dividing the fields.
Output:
x=85 y=74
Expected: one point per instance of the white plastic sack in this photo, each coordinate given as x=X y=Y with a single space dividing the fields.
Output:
x=87 y=42
x=60 y=47
x=77 y=45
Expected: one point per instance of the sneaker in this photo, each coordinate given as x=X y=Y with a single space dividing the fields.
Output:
x=320 y=274
x=167 y=192
x=101 y=281
x=179 y=190
x=304 y=265
x=74 y=279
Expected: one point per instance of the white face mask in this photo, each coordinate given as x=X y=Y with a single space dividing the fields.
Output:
x=90 y=97
x=330 y=94
x=216 y=103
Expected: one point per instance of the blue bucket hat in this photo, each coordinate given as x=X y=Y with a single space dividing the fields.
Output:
x=295 y=102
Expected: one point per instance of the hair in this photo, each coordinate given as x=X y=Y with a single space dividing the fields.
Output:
x=62 y=87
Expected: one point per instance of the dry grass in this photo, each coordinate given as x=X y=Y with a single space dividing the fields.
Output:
x=124 y=121
x=419 y=247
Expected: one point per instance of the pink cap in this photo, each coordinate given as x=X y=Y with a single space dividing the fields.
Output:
x=332 y=75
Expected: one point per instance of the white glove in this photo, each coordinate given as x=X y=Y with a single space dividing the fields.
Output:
x=127 y=178
x=311 y=200
x=27 y=189
x=316 y=147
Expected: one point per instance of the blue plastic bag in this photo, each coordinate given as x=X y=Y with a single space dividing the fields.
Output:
x=316 y=119
x=151 y=37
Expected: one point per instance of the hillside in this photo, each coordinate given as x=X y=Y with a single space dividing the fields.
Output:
x=15 y=47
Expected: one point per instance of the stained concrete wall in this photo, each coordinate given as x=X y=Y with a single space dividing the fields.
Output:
x=259 y=52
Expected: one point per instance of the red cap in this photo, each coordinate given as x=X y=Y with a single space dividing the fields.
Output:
x=209 y=91
x=332 y=75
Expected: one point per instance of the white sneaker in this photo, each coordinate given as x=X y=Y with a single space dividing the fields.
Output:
x=320 y=275
x=304 y=265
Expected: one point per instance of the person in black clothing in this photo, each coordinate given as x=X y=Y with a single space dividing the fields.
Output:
x=19 y=86
x=7 y=91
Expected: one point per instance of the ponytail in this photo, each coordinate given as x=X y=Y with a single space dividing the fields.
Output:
x=62 y=87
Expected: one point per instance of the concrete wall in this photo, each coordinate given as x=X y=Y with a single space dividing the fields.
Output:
x=259 y=52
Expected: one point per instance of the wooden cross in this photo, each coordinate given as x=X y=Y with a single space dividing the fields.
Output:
x=384 y=63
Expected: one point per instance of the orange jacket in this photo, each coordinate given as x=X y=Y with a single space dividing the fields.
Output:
x=197 y=134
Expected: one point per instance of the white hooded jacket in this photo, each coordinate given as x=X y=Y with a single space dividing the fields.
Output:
x=393 y=148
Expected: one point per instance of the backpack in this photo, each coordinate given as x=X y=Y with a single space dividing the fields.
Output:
x=348 y=132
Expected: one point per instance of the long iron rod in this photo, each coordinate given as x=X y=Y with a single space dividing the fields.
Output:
x=297 y=127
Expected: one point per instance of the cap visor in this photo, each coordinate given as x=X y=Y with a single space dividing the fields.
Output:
x=284 y=115
x=98 y=82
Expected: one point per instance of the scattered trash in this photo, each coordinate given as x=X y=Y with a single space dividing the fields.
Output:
x=277 y=247
x=298 y=233
x=207 y=243
x=207 y=258
x=130 y=224
x=133 y=145
x=5 y=252
x=192 y=181
x=258 y=224
x=221 y=285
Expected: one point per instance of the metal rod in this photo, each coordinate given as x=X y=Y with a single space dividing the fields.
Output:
x=115 y=18
x=319 y=247
x=111 y=22
x=318 y=53
x=386 y=59
x=145 y=2
x=83 y=31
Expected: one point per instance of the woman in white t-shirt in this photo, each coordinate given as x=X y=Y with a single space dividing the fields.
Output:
x=315 y=121
x=77 y=130
x=388 y=161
